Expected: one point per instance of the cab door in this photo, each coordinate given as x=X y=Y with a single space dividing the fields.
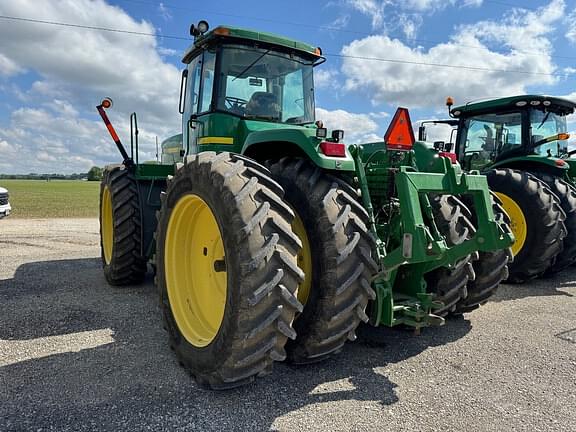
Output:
x=198 y=99
x=192 y=74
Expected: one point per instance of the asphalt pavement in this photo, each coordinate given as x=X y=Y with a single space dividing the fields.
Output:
x=77 y=354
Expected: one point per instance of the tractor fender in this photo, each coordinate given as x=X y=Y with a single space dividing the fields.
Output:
x=302 y=142
x=554 y=166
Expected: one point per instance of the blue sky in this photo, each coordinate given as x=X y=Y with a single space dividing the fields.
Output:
x=51 y=77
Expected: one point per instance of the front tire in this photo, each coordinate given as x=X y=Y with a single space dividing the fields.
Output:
x=227 y=269
x=120 y=227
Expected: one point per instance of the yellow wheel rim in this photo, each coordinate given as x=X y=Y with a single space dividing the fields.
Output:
x=304 y=260
x=517 y=221
x=107 y=224
x=194 y=266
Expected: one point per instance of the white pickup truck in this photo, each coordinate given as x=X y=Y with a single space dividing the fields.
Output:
x=5 y=207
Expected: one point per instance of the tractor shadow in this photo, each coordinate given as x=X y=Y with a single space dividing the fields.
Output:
x=134 y=379
x=548 y=286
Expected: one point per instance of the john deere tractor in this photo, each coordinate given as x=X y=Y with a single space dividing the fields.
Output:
x=520 y=143
x=273 y=239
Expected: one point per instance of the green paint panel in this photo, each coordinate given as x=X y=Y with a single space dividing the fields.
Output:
x=154 y=171
x=261 y=139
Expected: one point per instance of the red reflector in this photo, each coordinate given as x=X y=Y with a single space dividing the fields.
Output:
x=560 y=162
x=451 y=156
x=400 y=135
x=333 y=149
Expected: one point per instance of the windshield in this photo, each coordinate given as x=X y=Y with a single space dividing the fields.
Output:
x=263 y=84
x=486 y=136
x=544 y=125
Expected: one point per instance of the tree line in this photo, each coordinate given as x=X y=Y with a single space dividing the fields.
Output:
x=94 y=174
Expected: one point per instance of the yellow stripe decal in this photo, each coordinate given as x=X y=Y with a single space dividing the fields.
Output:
x=173 y=150
x=216 y=140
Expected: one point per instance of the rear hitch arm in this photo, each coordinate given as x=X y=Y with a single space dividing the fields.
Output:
x=107 y=103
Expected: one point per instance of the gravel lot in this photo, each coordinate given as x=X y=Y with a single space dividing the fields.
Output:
x=77 y=354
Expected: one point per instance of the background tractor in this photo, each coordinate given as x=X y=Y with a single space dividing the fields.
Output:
x=520 y=143
x=273 y=239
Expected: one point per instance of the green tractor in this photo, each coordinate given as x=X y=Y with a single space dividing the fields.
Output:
x=172 y=150
x=273 y=239
x=520 y=144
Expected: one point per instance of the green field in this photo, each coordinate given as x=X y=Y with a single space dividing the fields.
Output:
x=53 y=199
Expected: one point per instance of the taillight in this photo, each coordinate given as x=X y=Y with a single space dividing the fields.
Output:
x=333 y=149
x=449 y=155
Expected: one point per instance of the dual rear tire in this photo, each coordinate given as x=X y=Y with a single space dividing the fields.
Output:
x=473 y=279
x=123 y=260
x=230 y=266
x=338 y=265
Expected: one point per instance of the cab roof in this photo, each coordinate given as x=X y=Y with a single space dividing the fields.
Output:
x=556 y=104
x=235 y=33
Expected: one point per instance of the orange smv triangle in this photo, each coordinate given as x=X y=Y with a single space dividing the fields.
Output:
x=400 y=135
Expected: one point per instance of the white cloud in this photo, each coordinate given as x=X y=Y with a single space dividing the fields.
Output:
x=571 y=23
x=571 y=96
x=164 y=12
x=60 y=141
x=386 y=13
x=358 y=128
x=373 y=8
x=76 y=68
x=169 y=52
x=409 y=24
x=340 y=23
x=419 y=85
x=326 y=78
x=436 y=132
x=431 y=5
x=379 y=115
x=8 y=67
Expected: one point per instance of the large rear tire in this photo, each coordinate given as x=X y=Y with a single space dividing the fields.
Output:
x=121 y=227
x=338 y=263
x=227 y=269
x=449 y=285
x=490 y=269
x=536 y=219
x=566 y=193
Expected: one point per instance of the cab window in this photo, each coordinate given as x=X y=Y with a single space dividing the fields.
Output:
x=207 y=81
x=487 y=136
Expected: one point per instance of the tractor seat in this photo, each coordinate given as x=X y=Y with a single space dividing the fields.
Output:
x=263 y=104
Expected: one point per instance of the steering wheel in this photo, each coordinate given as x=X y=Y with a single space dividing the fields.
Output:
x=235 y=103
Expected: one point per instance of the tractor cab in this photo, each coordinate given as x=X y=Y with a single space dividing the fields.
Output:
x=492 y=132
x=239 y=82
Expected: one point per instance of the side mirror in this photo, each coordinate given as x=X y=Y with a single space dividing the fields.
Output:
x=422 y=133
x=182 y=100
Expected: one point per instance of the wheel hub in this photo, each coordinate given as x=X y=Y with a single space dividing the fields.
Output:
x=195 y=270
x=518 y=223
x=107 y=225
